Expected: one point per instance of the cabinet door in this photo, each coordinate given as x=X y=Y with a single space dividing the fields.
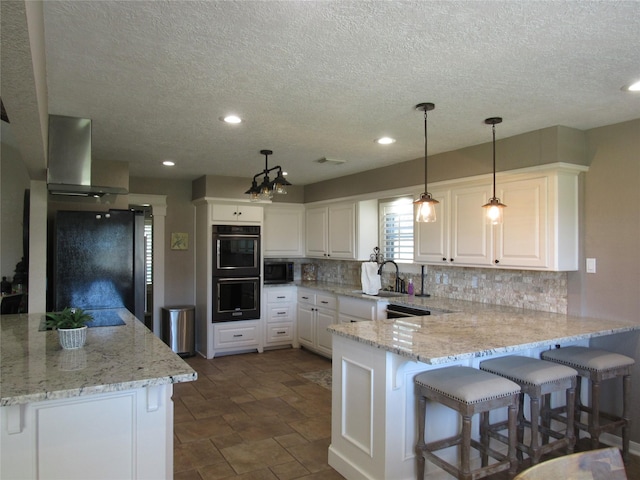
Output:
x=283 y=231
x=224 y=213
x=306 y=316
x=324 y=318
x=470 y=233
x=342 y=230
x=249 y=213
x=431 y=240
x=316 y=232
x=521 y=240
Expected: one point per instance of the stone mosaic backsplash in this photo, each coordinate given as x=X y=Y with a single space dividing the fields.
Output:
x=544 y=291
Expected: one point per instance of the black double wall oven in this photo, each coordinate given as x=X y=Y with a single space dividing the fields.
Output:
x=236 y=273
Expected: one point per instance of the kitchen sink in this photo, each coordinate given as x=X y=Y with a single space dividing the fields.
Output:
x=382 y=293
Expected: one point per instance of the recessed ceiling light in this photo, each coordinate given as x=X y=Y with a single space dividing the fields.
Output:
x=168 y=163
x=386 y=140
x=634 y=87
x=231 y=119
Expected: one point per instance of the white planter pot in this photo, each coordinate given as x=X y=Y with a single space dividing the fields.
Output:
x=72 y=338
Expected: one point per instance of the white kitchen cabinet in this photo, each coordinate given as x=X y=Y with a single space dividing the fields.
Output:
x=316 y=311
x=231 y=337
x=539 y=229
x=345 y=230
x=352 y=309
x=283 y=233
x=228 y=212
x=280 y=315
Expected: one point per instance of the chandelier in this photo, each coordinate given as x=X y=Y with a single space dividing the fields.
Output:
x=268 y=187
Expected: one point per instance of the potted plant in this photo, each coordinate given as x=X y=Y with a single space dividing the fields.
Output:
x=71 y=324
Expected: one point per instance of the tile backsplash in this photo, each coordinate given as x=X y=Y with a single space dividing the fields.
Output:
x=545 y=291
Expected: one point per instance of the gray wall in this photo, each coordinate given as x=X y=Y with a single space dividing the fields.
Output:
x=179 y=264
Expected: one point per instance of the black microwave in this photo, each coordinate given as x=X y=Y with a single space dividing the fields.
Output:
x=278 y=272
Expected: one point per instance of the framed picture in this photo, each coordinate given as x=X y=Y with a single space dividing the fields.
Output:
x=179 y=241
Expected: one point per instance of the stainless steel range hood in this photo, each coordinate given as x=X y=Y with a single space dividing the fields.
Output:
x=69 y=171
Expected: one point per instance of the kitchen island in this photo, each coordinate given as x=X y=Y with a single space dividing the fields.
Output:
x=103 y=411
x=374 y=429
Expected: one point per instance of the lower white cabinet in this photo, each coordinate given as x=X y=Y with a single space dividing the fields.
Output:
x=357 y=310
x=316 y=311
x=233 y=337
x=126 y=434
x=280 y=317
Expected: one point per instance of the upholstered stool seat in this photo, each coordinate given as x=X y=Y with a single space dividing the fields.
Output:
x=597 y=365
x=467 y=391
x=538 y=379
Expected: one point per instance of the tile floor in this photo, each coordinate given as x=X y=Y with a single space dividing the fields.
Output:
x=253 y=416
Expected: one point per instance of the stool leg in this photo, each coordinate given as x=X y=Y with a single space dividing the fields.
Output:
x=545 y=416
x=520 y=426
x=626 y=397
x=511 y=418
x=594 y=418
x=422 y=405
x=485 y=439
x=570 y=433
x=465 y=448
x=577 y=407
x=535 y=430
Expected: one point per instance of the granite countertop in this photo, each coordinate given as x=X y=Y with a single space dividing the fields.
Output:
x=34 y=367
x=459 y=330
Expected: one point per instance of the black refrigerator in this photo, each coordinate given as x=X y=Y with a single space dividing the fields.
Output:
x=98 y=261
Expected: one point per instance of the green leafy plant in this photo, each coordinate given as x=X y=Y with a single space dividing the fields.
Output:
x=68 y=318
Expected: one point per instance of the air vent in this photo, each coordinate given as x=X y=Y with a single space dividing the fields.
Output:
x=331 y=161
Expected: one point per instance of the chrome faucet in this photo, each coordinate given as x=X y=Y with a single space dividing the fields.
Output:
x=397 y=288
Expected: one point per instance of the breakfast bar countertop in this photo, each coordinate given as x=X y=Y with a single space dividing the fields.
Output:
x=34 y=367
x=477 y=332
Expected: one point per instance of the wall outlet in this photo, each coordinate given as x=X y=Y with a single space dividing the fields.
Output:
x=474 y=282
x=591 y=265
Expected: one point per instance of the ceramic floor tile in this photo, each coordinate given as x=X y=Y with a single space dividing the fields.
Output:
x=250 y=456
x=199 y=453
x=289 y=471
x=201 y=429
x=312 y=455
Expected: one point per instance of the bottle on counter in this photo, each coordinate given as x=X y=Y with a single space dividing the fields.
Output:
x=410 y=287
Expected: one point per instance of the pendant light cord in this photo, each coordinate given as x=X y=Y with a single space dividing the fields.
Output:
x=493 y=127
x=425 y=150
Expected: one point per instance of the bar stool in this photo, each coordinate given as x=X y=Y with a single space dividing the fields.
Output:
x=597 y=365
x=467 y=391
x=538 y=379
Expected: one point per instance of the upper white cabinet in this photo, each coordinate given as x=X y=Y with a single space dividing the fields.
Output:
x=346 y=230
x=539 y=229
x=228 y=212
x=283 y=230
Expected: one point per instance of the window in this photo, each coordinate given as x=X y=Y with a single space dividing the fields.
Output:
x=148 y=250
x=396 y=232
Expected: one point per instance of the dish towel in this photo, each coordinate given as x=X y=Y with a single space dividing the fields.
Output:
x=371 y=282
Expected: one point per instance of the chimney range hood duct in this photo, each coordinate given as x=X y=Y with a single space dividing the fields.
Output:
x=69 y=170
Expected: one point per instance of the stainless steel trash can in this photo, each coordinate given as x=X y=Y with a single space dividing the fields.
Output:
x=178 y=329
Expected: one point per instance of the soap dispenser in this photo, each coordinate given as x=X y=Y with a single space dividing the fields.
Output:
x=410 y=287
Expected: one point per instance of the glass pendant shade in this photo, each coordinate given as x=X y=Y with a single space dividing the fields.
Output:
x=426 y=208
x=426 y=205
x=494 y=207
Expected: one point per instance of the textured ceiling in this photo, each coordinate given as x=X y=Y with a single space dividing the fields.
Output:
x=324 y=79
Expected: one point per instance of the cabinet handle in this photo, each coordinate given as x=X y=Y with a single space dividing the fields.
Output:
x=281 y=313
x=282 y=297
x=305 y=298
x=237 y=335
x=444 y=259
x=282 y=332
x=324 y=301
x=451 y=259
x=497 y=261
x=239 y=213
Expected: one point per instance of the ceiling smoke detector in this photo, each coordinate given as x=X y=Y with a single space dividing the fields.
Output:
x=331 y=161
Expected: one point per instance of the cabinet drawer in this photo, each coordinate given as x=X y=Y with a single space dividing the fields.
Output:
x=307 y=297
x=278 y=312
x=224 y=337
x=282 y=332
x=279 y=296
x=326 y=301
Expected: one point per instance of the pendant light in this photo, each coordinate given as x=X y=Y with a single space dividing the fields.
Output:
x=426 y=206
x=493 y=206
x=267 y=188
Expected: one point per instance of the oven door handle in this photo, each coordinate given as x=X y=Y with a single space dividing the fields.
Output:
x=237 y=279
x=228 y=235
